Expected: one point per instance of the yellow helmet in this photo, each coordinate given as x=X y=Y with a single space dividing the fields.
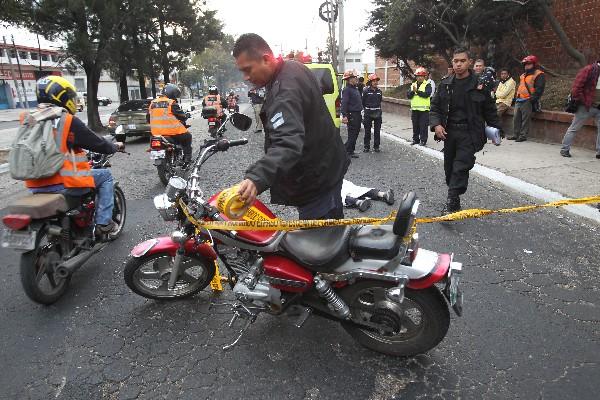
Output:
x=57 y=90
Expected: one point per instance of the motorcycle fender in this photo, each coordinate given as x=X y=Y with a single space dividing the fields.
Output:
x=166 y=245
x=435 y=266
x=159 y=161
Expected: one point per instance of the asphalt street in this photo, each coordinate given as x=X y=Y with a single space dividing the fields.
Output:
x=530 y=328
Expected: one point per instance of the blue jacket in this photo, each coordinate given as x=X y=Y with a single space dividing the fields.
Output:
x=371 y=98
x=351 y=100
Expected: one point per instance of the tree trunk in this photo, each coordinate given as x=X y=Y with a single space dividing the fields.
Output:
x=124 y=90
x=142 y=83
x=164 y=53
x=562 y=36
x=92 y=72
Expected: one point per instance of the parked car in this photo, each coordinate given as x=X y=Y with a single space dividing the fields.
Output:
x=134 y=117
x=104 y=101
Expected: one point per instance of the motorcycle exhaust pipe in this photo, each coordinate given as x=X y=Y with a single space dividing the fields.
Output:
x=73 y=264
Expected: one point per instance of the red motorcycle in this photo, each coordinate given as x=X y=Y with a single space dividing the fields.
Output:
x=391 y=296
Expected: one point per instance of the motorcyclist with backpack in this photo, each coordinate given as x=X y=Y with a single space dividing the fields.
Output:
x=57 y=104
x=214 y=99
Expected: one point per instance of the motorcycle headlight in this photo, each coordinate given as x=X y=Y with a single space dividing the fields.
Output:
x=175 y=188
x=166 y=208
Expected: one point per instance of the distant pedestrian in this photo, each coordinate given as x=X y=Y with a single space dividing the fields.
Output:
x=531 y=88
x=257 y=101
x=432 y=83
x=420 y=102
x=351 y=110
x=585 y=91
x=459 y=114
x=479 y=66
x=361 y=85
x=505 y=92
x=371 y=100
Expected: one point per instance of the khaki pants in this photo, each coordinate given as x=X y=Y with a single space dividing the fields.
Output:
x=257 y=120
x=502 y=109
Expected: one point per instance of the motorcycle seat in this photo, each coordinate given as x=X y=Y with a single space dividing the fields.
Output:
x=41 y=205
x=321 y=250
x=375 y=242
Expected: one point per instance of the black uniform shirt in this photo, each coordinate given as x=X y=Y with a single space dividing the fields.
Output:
x=458 y=110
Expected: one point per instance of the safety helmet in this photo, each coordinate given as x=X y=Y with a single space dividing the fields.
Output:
x=373 y=77
x=421 y=72
x=212 y=89
x=530 y=59
x=349 y=74
x=58 y=91
x=171 y=91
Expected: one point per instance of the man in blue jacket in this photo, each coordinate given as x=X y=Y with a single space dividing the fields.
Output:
x=351 y=111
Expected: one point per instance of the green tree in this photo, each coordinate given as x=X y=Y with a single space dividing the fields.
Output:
x=191 y=79
x=216 y=64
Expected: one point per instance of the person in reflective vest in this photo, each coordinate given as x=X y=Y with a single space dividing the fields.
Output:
x=214 y=99
x=420 y=100
x=167 y=119
x=55 y=95
x=527 y=99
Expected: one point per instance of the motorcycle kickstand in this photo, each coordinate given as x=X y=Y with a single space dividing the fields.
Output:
x=250 y=318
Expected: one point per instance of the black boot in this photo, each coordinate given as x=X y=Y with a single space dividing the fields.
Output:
x=363 y=205
x=452 y=204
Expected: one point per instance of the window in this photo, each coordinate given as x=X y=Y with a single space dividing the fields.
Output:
x=324 y=78
x=34 y=55
x=357 y=60
x=23 y=55
x=134 y=105
x=54 y=57
x=2 y=53
x=12 y=53
x=44 y=57
x=349 y=60
x=80 y=84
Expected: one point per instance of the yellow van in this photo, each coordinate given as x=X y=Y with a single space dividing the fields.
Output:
x=328 y=80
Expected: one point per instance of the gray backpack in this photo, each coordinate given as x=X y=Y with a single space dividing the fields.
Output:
x=34 y=153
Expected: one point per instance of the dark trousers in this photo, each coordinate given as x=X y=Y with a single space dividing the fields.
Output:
x=328 y=206
x=459 y=159
x=185 y=141
x=522 y=118
x=371 y=194
x=354 y=120
x=420 y=123
x=376 y=123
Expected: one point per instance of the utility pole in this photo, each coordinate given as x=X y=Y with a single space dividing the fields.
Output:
x=12 y=72
x=341 y=48
x=334 y=52
x=20 y=73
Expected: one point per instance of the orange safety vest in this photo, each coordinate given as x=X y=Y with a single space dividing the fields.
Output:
x=162 y=120
x=525 y=82
x=214 y=101
x=76 y=171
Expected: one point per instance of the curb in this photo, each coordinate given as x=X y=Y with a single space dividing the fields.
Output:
x=3 y=168
x=511 y=182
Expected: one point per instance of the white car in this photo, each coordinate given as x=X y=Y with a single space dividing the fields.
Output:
x=104 y=101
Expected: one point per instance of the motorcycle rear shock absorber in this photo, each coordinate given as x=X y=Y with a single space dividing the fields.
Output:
x=335 y=303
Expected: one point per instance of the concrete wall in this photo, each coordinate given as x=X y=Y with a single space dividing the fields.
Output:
x=547 y=126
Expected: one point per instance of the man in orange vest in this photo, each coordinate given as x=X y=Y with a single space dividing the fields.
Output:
x=168 y=119
x=55 y=95
x=527 y=101
x=214 y=99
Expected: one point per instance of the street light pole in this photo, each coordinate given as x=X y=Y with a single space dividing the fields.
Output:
x=341 y=48
x=12 y=72
x=20 y=73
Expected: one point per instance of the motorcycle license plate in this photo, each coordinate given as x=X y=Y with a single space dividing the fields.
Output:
x=20 y=240
x=131 y=126
x=212 y=123
x=157 y=154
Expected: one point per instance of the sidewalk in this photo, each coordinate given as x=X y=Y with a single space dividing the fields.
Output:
x=11 y=114
x=535 y=163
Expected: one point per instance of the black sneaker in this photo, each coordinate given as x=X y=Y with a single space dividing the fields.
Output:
x=377 y=150
x=423 y=143
x=415 y=142
x=598 y=156
x=388 y=197
x=513 y=137
x=566 y=153
x=109 y=228
x=521 y=139
x=353 y=155
x=366 y=150
x=452 y=205
x=363 y=205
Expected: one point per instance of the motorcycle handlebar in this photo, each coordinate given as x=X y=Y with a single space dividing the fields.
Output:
x=224 y=144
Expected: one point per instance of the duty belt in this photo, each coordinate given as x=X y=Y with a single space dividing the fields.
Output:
x=368 y=108
x=457 y=126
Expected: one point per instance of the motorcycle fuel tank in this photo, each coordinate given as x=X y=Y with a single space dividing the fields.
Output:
x=258 y=211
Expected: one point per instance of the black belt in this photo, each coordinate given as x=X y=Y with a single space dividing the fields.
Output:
x=458 y=126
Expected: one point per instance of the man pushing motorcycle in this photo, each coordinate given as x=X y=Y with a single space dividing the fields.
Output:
x=305 y=159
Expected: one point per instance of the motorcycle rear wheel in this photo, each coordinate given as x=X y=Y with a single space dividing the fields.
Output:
x=416 y=326
x=119 y=212
x=148 y=276
x=39 y=281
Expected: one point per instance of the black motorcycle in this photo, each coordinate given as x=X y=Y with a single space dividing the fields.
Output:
x=57 y=235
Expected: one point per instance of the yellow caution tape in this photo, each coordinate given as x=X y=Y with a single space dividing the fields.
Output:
x=230 y=203
x=260 y=223
x=215 y=283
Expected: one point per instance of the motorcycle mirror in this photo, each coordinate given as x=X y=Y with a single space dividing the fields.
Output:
x=241 y=121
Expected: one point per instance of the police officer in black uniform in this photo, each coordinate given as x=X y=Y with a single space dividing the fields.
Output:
x=305 y=160
x=351 y=111
x=458 y=116
x=371 y=99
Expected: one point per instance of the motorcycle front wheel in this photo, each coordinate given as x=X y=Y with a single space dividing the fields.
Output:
x=119 y=212
x=149 y=275
x=413 y=327
x=165 y=171
x=39 y=281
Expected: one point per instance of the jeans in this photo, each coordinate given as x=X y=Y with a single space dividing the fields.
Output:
x=579 y=119
x=328 y=206
x=104 y=194
x=522 y=118
x=185 y=141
